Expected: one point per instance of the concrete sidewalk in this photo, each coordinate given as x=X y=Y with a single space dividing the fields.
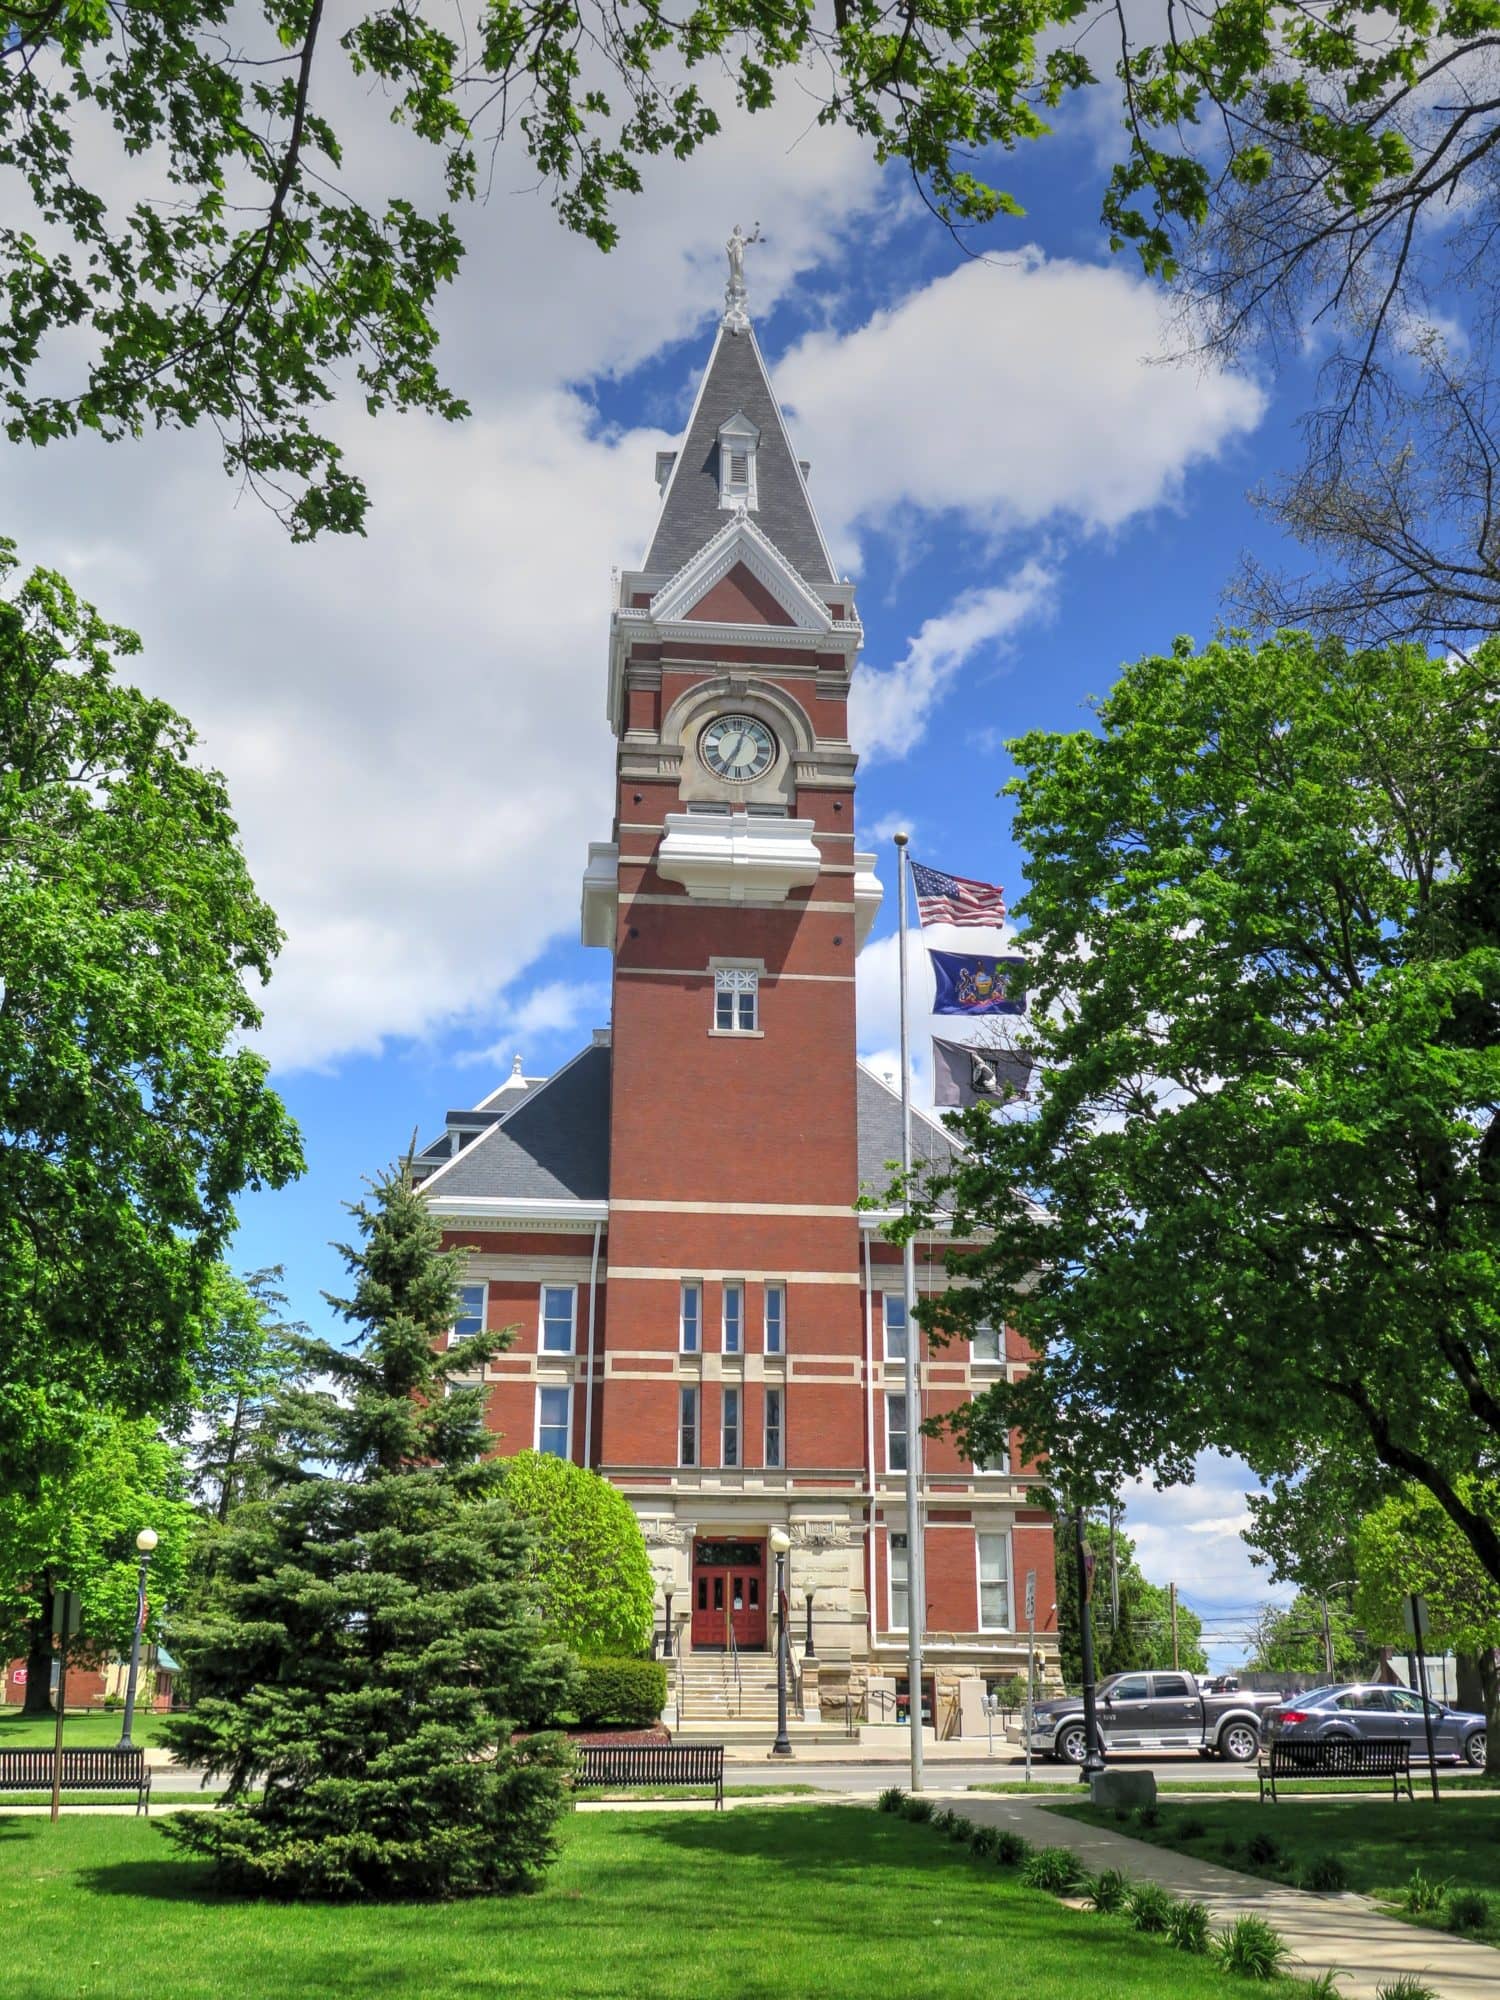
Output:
x=1345 y=1934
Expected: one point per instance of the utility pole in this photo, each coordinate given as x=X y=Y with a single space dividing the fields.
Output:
x=1327 y=1639
x=1172 y=1600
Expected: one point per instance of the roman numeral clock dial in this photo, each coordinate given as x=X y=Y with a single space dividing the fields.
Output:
x=738 y=748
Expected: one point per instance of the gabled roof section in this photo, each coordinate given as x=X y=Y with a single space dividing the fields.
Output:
x=738 y=540
x=735 y=383
x=553 y=1147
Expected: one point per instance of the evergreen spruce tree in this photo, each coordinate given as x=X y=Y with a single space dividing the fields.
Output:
x=369 y=1643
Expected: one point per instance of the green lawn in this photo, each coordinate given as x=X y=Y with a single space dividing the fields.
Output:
x=89 y=1729
x=1380 y=1842
x=763 y=1903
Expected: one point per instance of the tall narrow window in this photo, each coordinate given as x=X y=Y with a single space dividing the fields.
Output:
x=470 y=1311
x=559 y=1310
x=895 y=1433
x=554 y=1412
x=895 y=1326
x=775 y=1319
x=731 y=1451
x=996 y=1462
x=985 y=1346
x=734 y=1318
x=691 y=1330
x=994 y=1582
x=773 y=1427
x=687 y=1427
x=898 y=1591
x=736 y=991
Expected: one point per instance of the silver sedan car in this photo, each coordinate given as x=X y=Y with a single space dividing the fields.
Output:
x=1370 y=1711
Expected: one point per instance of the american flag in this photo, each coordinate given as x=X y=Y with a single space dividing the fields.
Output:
x=953 y=899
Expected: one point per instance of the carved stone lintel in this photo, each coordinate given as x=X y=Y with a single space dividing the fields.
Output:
x=662 y=1533
x=821 y=1535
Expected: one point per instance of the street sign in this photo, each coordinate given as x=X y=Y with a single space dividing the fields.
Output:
x=66 y=1612
x=1414 y=1617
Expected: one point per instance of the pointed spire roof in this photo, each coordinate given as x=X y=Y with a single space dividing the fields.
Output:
x=735 y=383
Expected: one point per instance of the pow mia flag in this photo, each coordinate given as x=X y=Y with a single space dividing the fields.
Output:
x=963 y=1075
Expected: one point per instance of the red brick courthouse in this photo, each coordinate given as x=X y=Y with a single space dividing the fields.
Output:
x=669 y=1219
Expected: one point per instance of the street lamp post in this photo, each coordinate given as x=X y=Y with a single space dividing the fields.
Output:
x=780 y=1541
x=145 y=1542
x=1092 y=1759
x=807 y=1650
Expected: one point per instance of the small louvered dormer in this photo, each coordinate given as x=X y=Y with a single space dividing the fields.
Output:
x=738 y=441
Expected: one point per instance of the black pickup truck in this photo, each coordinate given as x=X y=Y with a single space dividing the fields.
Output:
x=1154 y=1711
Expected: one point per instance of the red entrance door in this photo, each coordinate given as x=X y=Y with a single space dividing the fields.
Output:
x=729 y=1593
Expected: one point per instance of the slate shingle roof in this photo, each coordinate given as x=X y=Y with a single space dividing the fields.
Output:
x=555 y=1144
x=691 y=515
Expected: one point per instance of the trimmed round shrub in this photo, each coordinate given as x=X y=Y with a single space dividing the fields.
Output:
x=588 y=1566
x=1187 y=1927
x=1150 y=1907
x=619 y=1694
x=1325 y=1874
x=960 y=1828
x=1253 y=1948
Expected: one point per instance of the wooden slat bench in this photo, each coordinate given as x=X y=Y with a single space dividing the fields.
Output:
x=1336 y=1757
x=661 y=1766
x=82 y=1771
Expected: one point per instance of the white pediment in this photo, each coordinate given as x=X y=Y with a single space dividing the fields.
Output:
x=740 y=541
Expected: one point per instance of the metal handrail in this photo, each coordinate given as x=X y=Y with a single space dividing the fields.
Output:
x=784 y=1641
x=732 y=1655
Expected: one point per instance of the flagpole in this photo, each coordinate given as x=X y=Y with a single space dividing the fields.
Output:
x=916 y=1565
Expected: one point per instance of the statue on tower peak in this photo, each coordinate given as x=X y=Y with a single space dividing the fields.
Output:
x=736 y=318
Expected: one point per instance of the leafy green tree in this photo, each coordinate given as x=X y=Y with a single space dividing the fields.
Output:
x=589 y=1569
x=1409 y=1547
x=1289 y=1640
x=1256 y=1204
x=76 y=1530
x=370 y=1639
x=1132 y=1617
x=130 y=1115
x=187 y=218
x=249 y=1358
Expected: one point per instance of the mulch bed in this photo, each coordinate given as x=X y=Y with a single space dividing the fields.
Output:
x=605 y=1739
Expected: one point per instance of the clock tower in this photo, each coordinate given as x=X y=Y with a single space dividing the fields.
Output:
x=733 y=898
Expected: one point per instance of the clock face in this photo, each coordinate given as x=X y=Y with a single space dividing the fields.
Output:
x=737 y=747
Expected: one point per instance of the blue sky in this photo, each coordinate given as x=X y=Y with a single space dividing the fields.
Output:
x=1026 y=489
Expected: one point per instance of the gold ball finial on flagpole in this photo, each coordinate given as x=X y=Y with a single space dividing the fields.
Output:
x=900 y=839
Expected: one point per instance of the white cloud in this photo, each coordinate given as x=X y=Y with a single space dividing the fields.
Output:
x=553 y=1008
x=1014 y=391
x=889 y=708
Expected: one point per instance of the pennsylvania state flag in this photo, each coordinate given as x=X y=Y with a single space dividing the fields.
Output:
x=976 y=983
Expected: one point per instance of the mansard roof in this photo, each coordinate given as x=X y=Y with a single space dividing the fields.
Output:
x=555 y=1144
x=735 y=383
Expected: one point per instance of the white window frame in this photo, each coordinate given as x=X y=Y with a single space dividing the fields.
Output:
x=990 y=1465
x=778 y=1292
x=482 y=1286
x=738 y=438
x=886 y=1299
x=775 y=1400
x=892 y=1431
x=893 y=1537
x=996 y=1334
x=565 y=1390
x=541 y=1319
x=688 y=1397
x=736 y=1000
x=1001 y=1535
x=731 y=1397
x=732 y=1289
x=684 y=1345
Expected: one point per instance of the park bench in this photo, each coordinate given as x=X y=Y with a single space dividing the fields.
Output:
x=82 y=1771
x=1335 y=1757
x=659 y=1765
